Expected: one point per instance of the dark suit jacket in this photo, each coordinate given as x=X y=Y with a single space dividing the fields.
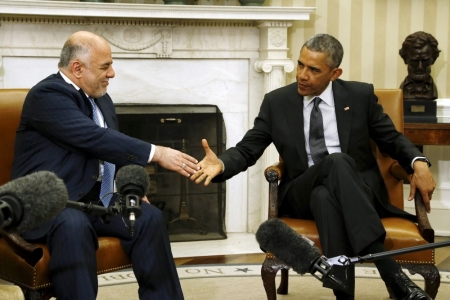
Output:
x=280 y=121
x=57 y=133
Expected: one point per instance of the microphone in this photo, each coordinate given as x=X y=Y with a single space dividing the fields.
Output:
x=132 y=184
x=302 y=256
x=296 y=251
x=29 y=201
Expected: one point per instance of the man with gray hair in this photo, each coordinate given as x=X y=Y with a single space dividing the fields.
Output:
x=69 y=126
x=322 y=126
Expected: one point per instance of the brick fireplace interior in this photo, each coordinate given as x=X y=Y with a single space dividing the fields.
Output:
x=193 y=212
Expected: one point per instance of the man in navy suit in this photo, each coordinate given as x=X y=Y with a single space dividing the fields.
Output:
x=69 y=126
x=338 y=185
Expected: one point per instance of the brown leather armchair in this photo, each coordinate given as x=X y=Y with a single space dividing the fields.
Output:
x=400 y=233
x=22 y=263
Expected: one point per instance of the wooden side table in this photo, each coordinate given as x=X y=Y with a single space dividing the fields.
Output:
x=428 y=133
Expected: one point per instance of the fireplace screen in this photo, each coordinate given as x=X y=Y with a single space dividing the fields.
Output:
x=193 y=212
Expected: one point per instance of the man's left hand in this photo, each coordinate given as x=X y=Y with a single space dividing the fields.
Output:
x=423 y=180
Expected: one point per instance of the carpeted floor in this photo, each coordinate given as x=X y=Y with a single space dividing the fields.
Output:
x=244 y=282
x=10 y=292
x=239 y=282
x=251 y=288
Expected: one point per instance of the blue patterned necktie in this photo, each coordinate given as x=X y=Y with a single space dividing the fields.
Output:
x=107 y=185
x=317 y=145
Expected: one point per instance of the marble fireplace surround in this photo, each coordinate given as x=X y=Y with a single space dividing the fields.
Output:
x=168 y=54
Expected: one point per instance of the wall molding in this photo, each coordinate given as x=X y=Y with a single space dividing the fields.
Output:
x=152 y=11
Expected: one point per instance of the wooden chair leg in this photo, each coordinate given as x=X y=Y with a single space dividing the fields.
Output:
x=284 y=283
x=268 y=277
x=269 y=270
x=430 y=274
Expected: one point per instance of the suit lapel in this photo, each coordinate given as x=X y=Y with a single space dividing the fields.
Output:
x=294 y=115
x=103 y=104
x=343 y=107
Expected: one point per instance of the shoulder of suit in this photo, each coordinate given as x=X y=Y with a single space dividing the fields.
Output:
x=285 y=89
x=352 y=84
x=53 y=84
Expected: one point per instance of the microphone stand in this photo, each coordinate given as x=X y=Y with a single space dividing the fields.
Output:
x=322 y=267
x=128 y=206
x=105 y=212
x=343 y=260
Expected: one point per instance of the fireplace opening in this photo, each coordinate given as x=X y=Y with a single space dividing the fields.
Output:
x=192 y=212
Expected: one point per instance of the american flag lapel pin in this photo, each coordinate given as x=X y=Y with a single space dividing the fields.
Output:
x=346 y=108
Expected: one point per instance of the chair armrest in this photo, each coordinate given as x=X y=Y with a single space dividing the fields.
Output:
x=273 y=175
x=29 y=252
x=425 y=228
x=422 y=219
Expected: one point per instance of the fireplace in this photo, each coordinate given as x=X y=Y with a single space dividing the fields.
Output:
x=192 y=212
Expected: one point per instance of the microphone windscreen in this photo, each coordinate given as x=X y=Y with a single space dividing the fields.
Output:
x=287 y=245
x=134 y=175
x=42 y=196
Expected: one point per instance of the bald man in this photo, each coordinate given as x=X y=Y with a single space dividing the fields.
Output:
x=69 y=126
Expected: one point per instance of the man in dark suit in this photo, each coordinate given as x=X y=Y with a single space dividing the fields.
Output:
x=69 y=126
x=321 y=127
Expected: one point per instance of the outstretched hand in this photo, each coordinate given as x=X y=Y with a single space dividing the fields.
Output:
x=210 y=166
x=423 y=180
x=175 y=160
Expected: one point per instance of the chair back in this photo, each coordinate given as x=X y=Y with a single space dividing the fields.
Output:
x=392 y=102
x=11 y=103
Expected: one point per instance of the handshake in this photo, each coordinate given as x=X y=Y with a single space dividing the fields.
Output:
x=188 y=166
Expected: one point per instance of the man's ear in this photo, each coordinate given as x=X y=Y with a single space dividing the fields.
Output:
x=336 y=73
x=77 y=69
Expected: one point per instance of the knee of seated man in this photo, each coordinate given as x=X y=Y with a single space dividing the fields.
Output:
x=340 y=159
x=75 y=224
x=320 y=197
x=152 y=214
x=72 y=219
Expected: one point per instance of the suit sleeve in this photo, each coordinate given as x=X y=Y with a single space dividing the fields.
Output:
x=58 y=115
x=247 y=152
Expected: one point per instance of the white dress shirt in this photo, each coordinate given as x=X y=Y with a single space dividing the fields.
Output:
x=329 y=121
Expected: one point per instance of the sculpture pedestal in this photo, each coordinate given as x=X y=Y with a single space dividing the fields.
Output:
x=419 y=111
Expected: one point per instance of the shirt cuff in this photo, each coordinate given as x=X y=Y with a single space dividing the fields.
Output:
x=152 y=152
x=420 y=158
x=223 y=166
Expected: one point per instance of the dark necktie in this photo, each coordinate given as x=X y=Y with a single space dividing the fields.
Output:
x=107 y=185
x=317 y=145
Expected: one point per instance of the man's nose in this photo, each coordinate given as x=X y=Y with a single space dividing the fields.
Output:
x=301 y=74
x=111 y=73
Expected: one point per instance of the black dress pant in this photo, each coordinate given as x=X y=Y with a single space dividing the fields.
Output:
x=71 y=238
x=334 y=194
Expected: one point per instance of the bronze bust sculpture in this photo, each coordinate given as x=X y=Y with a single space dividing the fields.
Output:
x=419 y=51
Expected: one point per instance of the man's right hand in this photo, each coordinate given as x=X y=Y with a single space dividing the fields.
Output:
x=210 y=166
x=175 y=160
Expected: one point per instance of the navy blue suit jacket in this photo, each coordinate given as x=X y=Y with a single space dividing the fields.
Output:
x=57 y=133
x=359 y=118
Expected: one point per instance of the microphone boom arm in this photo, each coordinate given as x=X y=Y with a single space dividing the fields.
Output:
x=105 y=212
x=343 y=260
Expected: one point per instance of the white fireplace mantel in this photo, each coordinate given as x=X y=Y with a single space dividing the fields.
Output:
x=228 y=56
x=152 y=11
